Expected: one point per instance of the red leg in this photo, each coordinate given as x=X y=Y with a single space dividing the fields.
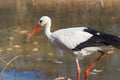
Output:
x=93 y=64
x=78 y=69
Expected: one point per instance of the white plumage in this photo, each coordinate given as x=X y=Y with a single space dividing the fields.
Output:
x=69 y=38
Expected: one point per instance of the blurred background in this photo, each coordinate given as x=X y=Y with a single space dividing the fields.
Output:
x=35 y=60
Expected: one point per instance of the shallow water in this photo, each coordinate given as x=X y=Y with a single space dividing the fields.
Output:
x=17 y=75
x=47 y=69
x=18 y=18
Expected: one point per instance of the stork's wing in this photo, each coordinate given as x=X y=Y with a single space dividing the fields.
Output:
x=71 y=37
x=78 y=38
x=105 y=38
x=98 y=39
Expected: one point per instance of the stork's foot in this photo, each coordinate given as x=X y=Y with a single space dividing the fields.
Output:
x=86 y=73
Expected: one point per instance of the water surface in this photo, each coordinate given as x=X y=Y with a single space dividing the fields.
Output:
x=18 y=18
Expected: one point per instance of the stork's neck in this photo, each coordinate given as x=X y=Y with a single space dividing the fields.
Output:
x=47 y=29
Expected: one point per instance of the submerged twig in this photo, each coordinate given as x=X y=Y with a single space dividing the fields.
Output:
x=32 y=67
x=14 y=67
x=8 y=64
x=3 y=61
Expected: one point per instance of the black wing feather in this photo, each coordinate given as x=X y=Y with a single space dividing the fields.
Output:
x=98 y=39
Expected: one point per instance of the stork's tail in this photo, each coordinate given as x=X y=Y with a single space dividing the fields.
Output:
x=108 y=39
x=112 y=40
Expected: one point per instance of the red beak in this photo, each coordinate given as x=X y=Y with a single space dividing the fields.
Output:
x=34 y=31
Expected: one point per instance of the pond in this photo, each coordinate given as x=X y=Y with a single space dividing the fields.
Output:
x=35 y=60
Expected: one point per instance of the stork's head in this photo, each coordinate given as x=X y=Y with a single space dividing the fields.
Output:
x=44 y=20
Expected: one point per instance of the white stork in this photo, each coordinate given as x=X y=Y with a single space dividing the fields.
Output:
x=79 y=41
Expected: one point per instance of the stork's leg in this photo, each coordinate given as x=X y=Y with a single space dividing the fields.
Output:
x=78 y=68
x=93 y=64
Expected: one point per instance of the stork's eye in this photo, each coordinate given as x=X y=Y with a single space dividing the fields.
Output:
x=40 y=21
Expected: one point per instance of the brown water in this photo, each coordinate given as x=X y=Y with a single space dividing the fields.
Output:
x=18 y=18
